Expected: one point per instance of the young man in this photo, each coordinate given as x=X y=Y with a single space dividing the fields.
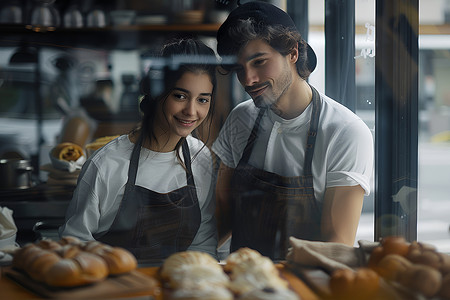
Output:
x=293 y=161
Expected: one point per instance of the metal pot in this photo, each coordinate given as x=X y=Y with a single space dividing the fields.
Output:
x=15 y=174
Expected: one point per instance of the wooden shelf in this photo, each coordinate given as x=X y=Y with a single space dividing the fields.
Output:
x=110 y=37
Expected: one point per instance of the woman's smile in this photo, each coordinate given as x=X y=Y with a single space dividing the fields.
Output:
x=184 y=122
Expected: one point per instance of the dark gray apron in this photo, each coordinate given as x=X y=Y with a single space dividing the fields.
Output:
x=153 y=225
x=269 y=208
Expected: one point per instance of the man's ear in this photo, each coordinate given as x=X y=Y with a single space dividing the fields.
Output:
x=293 y=56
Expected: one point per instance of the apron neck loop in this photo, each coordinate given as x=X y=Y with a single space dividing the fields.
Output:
x=134 y=162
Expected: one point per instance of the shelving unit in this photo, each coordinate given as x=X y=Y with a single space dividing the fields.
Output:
x=110 y=37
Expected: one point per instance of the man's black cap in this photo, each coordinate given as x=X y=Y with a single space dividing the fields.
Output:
x=262 y=13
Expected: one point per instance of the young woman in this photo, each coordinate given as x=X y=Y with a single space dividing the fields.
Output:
x=151 y=191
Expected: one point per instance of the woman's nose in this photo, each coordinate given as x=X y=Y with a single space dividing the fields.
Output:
x=189 y=108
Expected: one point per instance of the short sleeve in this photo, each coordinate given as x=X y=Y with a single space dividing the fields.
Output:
x=351 y=157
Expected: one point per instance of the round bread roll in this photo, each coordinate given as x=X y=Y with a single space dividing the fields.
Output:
x=178 y=259
x=362 y=283
x=259 y=277
x=395 y=245
x=84 y=268
x=422 y=279
x=239 y=256
x=197 y=276
x=260 y=264
x=425 y=254
x=67 y=151
x=392 y=266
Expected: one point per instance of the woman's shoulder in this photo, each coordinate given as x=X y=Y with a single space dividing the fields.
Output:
x=198 y=150
x=196 y=144
x=117 y=148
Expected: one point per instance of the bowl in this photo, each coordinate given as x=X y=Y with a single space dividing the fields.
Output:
x=122 y=17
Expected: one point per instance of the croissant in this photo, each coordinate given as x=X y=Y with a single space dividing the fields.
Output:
x=67 y=151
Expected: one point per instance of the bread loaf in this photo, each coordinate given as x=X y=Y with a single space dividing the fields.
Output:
x=66 y=263
x=84 y=268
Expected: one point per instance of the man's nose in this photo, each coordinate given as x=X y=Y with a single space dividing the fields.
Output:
x=250 y=77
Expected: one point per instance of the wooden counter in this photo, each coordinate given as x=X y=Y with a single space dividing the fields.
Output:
x=12 y=290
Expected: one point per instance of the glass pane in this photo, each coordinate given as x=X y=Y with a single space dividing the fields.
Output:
x=365 y=79
x=434 y=124
x=434 y=108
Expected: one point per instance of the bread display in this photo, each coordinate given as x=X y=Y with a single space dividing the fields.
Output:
x=246 y=274
x=417 y=266
x=70 y=262
x=67 y=151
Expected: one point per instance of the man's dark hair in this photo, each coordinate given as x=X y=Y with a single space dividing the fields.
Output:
x=279 y=37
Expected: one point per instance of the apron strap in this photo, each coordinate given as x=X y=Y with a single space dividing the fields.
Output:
x=134 y=162
x=312 y=132
x=251 y=139
x=187 y=163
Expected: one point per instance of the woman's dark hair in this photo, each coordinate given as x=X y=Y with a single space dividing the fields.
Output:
x=281 y=38
x=179 y=56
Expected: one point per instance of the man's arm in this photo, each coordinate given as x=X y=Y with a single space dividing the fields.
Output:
x=341 y=212
x=223 y=207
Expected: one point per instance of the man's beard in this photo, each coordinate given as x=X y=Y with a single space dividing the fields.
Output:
x=269 y=98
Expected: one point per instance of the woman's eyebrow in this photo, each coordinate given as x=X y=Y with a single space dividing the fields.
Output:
x=188 y=92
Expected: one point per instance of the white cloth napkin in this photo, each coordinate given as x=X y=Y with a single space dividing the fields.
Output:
x=327 y=255
x=70 y=166
x=8 y=229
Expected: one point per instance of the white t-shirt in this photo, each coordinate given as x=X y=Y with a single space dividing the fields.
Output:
x=101 y=186
x=343 y=153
